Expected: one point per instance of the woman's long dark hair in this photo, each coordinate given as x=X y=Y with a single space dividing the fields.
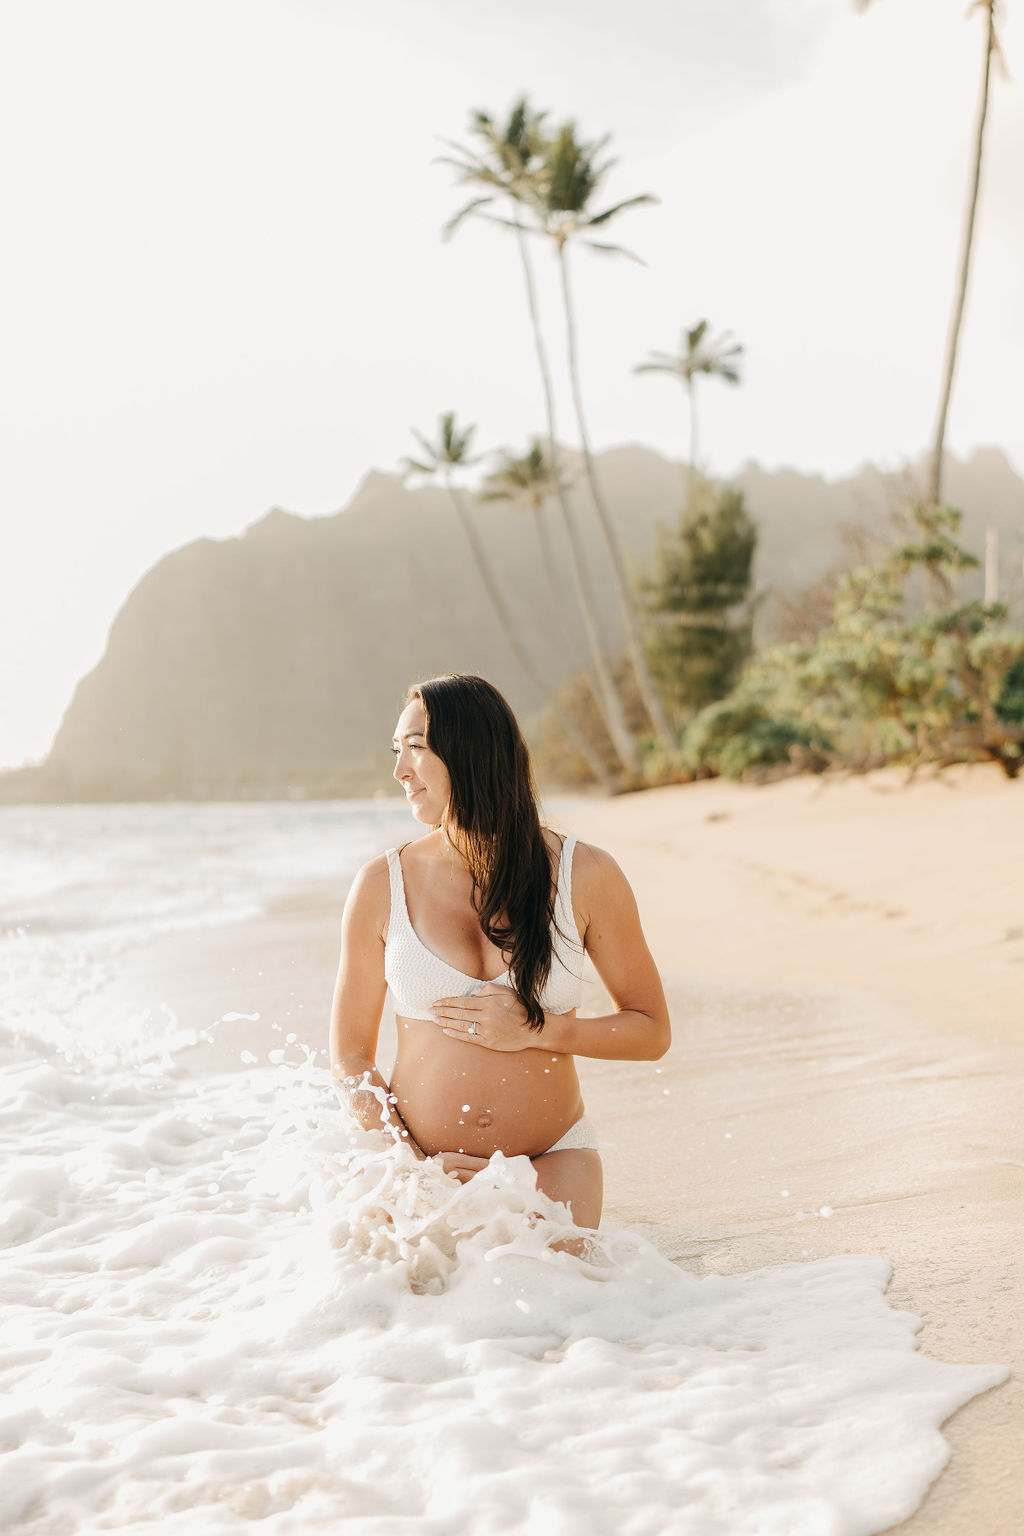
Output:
x=493 y=821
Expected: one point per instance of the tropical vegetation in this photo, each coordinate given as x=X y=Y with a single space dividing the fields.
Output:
x=909 y=670
x=900 y=665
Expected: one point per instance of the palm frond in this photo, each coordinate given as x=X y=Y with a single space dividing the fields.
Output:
x=470 y=164
x=615 y=250
x=508 y=158
x=629 y=202
x=523 y=229
x=669 y=365
x=468 y=211
x=429 y=450
x=410 y=466
x=698 y=353
x=527 y=477
x=470 y=176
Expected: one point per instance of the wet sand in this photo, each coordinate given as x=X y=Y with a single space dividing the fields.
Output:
x=845 y=965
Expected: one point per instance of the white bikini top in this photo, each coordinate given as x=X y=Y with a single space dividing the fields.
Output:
x=418 y=978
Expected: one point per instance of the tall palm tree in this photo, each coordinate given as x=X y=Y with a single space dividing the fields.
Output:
x=992 y=51
x=717 y=356
x=560 y=194
x=502 y=171
x=451 y=450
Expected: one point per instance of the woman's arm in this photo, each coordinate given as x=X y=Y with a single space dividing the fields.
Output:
x=359 y=994
x=638 y=1030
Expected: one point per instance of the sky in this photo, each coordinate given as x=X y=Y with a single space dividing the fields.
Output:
x=225 y=287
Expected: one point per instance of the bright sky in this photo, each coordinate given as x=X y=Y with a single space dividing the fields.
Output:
x=225 y=287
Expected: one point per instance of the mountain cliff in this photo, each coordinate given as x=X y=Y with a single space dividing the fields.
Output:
x=274 y=663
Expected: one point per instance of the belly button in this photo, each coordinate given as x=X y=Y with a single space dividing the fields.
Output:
x=484 y=1120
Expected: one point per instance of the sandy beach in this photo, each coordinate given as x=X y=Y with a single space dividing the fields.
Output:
x=845 y=965
x=845 y=962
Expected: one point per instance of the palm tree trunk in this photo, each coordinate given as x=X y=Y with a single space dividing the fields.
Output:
x=956 y=320
x=557 y=600
x=691 y=479
x=612 y=711
x=634 y=643
x=515 y=645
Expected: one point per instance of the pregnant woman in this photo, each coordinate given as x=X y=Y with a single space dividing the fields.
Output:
x=480 y=929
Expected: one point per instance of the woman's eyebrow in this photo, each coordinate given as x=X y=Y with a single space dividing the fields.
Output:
x=409 y=735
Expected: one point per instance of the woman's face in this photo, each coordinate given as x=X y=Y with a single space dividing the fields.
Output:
x=420 y=772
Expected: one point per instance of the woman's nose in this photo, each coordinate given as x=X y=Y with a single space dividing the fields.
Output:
x=401 y=771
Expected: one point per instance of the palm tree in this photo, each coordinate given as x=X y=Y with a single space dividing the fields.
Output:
x=560 y=194
x=698 y=353
x=451 y=450
x=503 y=166
x=503 y=170
x=992 y=50
x=530 y=480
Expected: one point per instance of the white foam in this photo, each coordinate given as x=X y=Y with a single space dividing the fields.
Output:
x=223 y=1301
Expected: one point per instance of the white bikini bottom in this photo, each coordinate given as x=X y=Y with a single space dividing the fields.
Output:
x=580 y=1135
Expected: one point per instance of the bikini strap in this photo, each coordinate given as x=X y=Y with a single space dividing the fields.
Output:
x=397 y=887
x=563 y=898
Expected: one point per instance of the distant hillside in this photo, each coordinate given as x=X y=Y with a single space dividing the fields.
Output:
x=274 y=663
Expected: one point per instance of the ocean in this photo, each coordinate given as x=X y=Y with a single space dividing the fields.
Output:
x=222 y=1303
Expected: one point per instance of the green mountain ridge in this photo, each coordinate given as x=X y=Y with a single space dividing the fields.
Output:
x=274 y=663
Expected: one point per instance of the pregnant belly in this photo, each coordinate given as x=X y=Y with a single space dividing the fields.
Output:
x=456 y=1097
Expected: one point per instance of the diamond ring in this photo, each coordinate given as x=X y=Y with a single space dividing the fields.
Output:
x=472 y=1026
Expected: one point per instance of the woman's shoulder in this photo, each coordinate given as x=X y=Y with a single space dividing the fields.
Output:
x=371 y=882
x=591 y=865
x=373 y=879
x=602 y=897
x=592 y=862
x=375 y=869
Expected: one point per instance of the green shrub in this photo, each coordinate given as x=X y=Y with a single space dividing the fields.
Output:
x=1009 y=705
x=737 y=738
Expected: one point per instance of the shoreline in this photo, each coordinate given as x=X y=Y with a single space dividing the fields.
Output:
x=847 y=1070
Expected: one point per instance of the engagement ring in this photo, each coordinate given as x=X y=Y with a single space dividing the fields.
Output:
x=472 y=1026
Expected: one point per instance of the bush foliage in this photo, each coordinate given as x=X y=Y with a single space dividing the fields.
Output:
x=906 y=671
x=738 y=738
x=697 y=601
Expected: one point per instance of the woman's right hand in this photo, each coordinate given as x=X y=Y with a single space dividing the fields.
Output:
x=461 y=1165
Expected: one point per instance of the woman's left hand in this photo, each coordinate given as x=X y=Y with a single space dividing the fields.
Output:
x=492 y=1017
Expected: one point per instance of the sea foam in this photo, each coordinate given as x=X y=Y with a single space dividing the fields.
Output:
x=224 y=1302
